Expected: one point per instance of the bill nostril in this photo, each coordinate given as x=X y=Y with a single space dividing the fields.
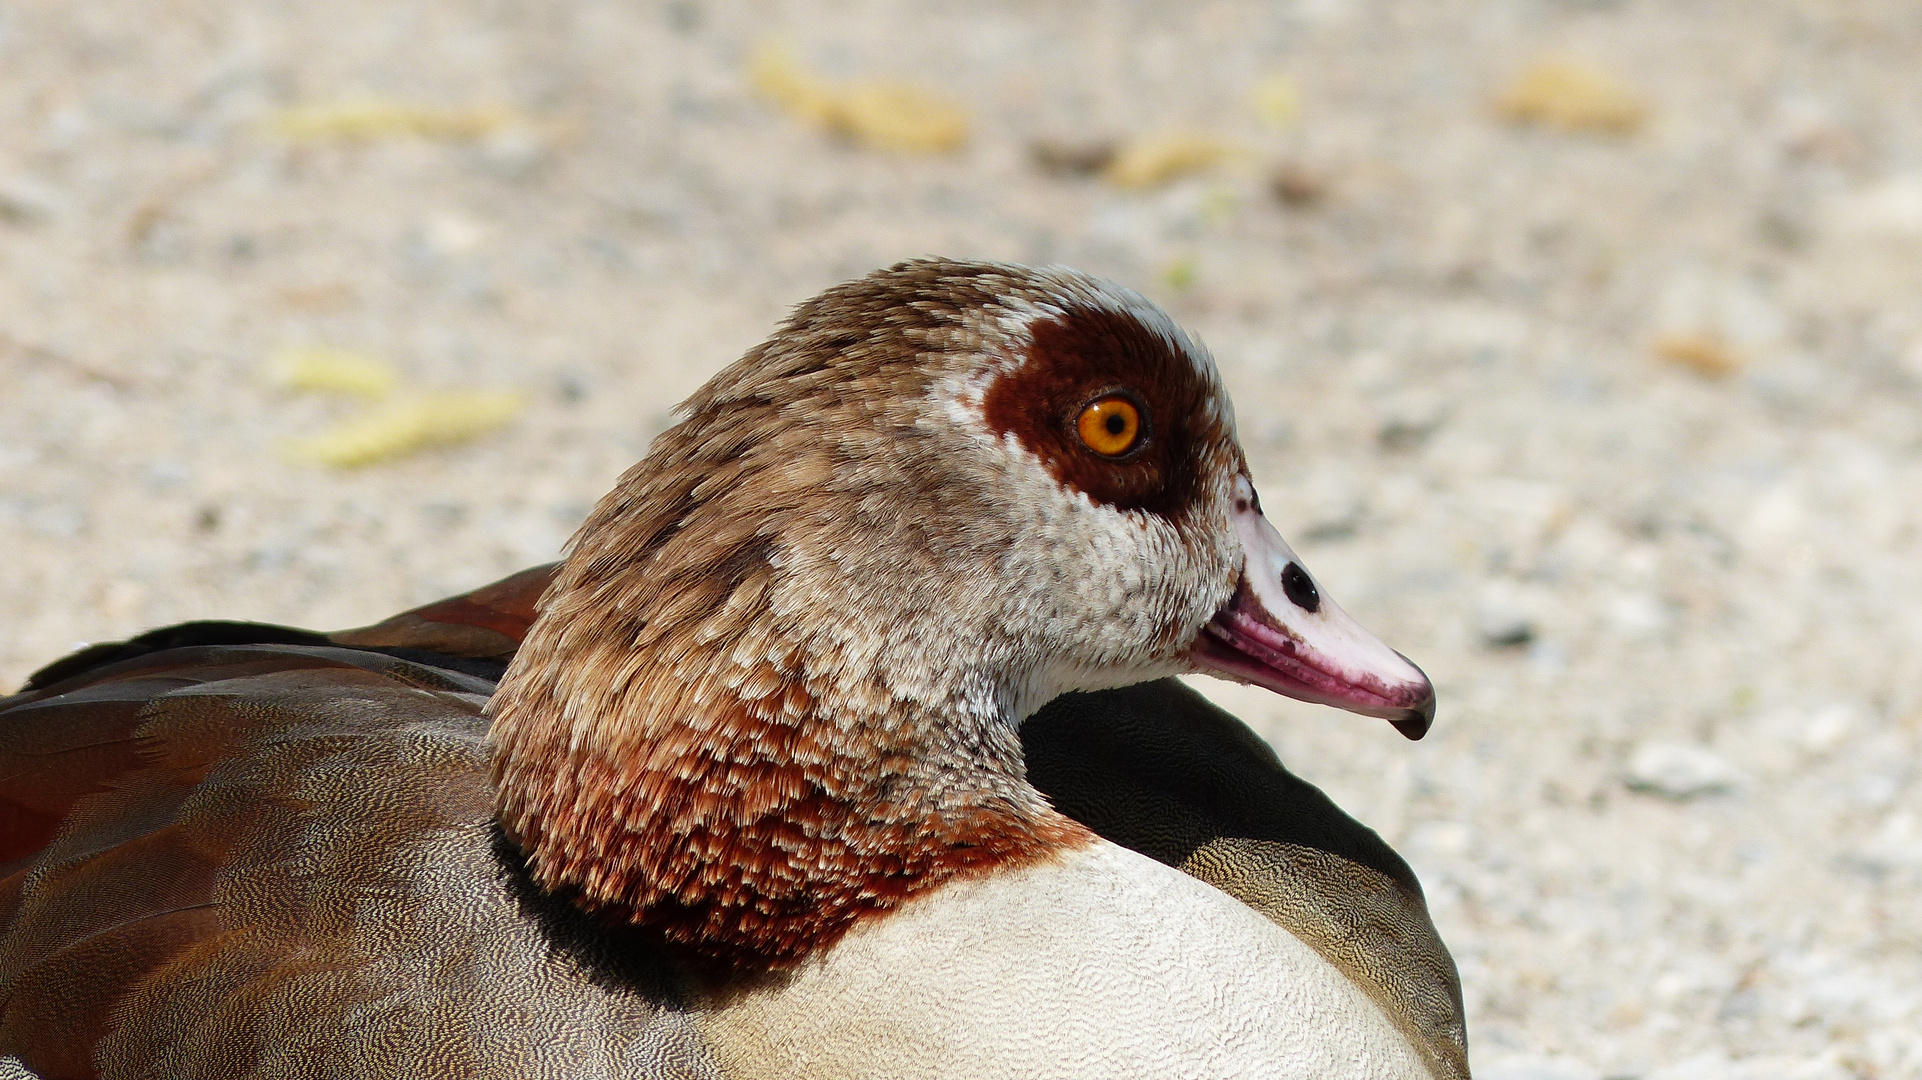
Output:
x=1300 y=587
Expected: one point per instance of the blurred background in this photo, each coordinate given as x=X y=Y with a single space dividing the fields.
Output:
x=1576 y=344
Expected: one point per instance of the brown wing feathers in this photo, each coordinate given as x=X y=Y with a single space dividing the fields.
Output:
x=249 y=835
x=488 y=622
x=105 y=746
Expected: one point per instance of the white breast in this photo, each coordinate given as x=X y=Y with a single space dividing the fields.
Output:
x=1102 y=963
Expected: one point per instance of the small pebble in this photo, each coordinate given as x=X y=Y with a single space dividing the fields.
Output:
x=1702 y=353
x=1408 y=419
x=1718 y=1066
x=1063 y=157
x=1638 y=616
x=55 y=521
x=1679 y=771
x=1534 y=1067
x=1442 y=838
x=451 y=234
x=1890 y=209
x=513 y=153
x=26 y=202
x=1503 y=618
x=1828 y=727
x=1296 y=187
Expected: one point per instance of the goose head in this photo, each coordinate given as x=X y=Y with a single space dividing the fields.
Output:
x=775 y=686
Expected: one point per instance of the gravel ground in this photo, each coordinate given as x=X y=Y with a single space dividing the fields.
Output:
x=1670 y=819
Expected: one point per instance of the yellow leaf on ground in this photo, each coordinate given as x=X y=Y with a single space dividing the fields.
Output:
x=1573 y=95
x=1180 y=274
x=1277 y=101
x=886 y=115
x=1218 y=206
x=336 y=371
x=1704 y=354
x=1156 y=160
x=779 y=77
x=898 y=116
x=373 y=118
x=405 y=427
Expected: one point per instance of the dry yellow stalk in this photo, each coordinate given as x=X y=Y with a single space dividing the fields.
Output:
x=883 y=114
x=373 y=118
x=336 y=371
x=1573 y=95
x=1157 y=160
x=405 y=427
x=1704 y=354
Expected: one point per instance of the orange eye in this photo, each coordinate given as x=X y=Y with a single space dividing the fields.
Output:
x=1110 y=427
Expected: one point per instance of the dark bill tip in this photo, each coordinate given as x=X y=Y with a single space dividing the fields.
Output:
x=1418 y=719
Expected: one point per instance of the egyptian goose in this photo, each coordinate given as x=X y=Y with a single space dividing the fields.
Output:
x=747 y=791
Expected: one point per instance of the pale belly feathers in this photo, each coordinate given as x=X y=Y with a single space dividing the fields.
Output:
x=1100 y=963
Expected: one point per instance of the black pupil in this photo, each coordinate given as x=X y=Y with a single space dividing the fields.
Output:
x=1117 y=423
x=1300 y=588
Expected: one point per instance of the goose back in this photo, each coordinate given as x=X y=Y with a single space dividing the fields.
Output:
x=280 y=861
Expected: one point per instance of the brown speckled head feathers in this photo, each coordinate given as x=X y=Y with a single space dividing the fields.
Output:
x=776 y=684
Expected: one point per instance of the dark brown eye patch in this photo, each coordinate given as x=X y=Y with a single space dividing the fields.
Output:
x=1069 y=404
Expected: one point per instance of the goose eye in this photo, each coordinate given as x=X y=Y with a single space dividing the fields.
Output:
x=1111 y=426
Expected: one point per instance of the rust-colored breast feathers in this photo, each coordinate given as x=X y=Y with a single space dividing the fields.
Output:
x=688 y=774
